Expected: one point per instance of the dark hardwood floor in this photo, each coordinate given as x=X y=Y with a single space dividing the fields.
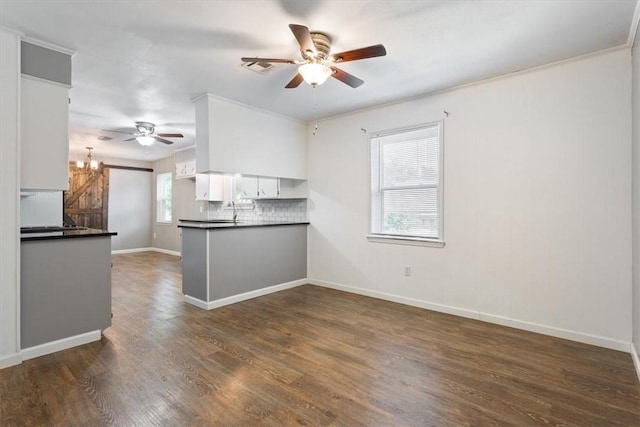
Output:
x=310 y=356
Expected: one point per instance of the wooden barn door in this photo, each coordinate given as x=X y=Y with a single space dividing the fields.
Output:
x=87 y=201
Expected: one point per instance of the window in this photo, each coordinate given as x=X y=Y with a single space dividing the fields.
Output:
x=163 y=197
x=406 y=184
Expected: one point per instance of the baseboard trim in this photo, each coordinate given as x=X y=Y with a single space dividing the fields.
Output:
x=166 y=251
x=485 y=317
x=59 y=345
x=10 y=360
x=636 y=359
x=243 y=297
x=130 y=251
x=149 y=249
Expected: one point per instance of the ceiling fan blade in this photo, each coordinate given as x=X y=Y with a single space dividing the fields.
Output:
x=118 y=131
x=170 y=135
x=362 y=53
x=273 y=60
x=295 y=82
x=130 y=139
x=346 y=78
x=303 y=36
x=164 y=141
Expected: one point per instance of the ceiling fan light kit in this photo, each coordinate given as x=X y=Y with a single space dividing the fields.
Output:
x=145 y=140
x=316 y=68
x=314 y=74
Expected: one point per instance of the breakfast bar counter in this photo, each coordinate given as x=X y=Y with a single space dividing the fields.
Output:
x=226 y=262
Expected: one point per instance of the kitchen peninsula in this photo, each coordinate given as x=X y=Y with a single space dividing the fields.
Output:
x=65 y=278
x=225 y=262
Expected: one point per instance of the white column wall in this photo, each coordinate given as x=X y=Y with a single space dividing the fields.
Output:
x=9 y=198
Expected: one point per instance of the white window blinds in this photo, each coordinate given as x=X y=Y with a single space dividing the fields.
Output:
x=163 y=197
x=406 y=191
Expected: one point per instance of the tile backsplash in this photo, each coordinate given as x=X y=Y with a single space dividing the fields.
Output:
x=294 y=210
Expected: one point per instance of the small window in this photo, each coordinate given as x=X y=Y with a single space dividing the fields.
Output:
x=406 y=184
x=163 y=197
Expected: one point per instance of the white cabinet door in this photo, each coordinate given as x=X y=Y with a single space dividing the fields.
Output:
x=210 y=187
x=190 y=168
x=202 y=186
x=185 y=160
x=181 y=170
x=249 y=187
x=45 y=135
x=267 y=188
x=216 y=187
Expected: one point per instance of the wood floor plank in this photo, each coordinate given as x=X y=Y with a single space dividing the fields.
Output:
x=310 y=356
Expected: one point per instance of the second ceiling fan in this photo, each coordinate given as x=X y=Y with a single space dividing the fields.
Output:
x=317 y=64
x=145 y=134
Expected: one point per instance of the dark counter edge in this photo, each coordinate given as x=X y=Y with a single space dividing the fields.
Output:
x=71 y=234
x=225 y=225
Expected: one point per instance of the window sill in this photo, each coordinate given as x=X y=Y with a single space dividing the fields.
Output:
x=411 y=241
x=164 y=223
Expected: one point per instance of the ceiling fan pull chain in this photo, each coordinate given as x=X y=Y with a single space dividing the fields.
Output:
x=315 y=110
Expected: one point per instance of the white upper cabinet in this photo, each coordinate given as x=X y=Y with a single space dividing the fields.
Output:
x=268 y=188
x=236 y=138
x=44 y=120
x=185 y=160
x=248 y=187
x=263 y=187
x=258 y=187
x=210 y=187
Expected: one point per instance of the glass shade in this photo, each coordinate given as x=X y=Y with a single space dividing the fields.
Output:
x=314 y=74
x=145 y=140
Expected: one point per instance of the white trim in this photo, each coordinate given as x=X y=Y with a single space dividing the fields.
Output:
x=208 y=264
x=10 y=360
x=634 y=26
x=634 y=355
x=251 y=107
x=582 y=337
x=48 y=45
x=149 y=249
x=40 y=79
x=411 y=241
x=59 y=345
x=243 y=297
x=166 y=251
x=131 y=251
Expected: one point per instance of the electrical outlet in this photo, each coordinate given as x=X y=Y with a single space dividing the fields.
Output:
x=407 y=270
x=154 y=235
x=201 y=209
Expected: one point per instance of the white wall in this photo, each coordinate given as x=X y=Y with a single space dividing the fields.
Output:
x=636 y=198
x=130 y=208
x=9 y=196
x=537 y=206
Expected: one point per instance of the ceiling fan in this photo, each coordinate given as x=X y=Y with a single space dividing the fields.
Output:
x=145 y=134
x=317 y=64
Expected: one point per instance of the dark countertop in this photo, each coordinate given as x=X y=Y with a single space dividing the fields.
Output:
x=69 y=234
x=215 y=224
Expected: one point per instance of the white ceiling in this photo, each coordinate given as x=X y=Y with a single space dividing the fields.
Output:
x=146 y=60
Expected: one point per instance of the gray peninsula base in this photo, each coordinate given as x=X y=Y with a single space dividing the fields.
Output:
x=221 y=263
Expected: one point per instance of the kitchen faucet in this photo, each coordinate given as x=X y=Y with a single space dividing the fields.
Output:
x=235 y=214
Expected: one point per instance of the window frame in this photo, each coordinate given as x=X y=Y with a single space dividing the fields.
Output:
x=158 y=210
x=379 y=237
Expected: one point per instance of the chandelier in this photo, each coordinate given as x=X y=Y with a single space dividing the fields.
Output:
x=89 y=165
